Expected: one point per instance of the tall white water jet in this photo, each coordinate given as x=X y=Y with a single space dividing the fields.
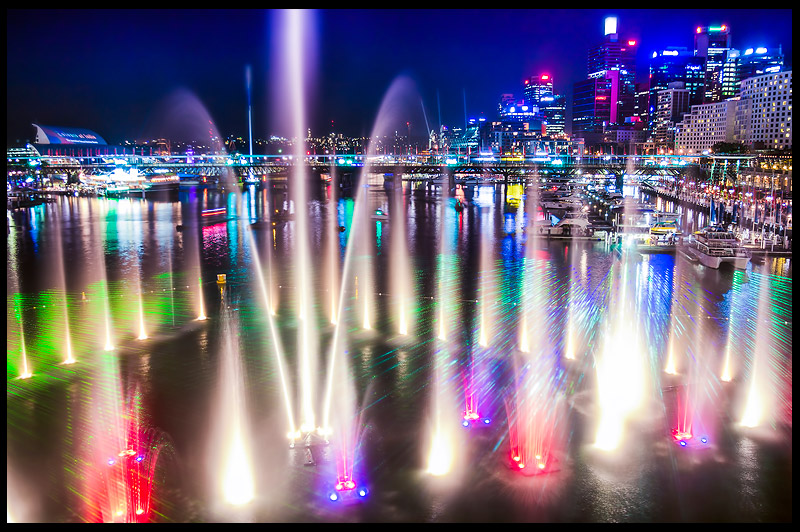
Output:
x=441 y=449
x=201 y=314
x=736 y=325
x=357 y=275
x=101 y=261
x=400 y=266
x=332 y=247
x=62 y=284
x=296 y=38
x=621 y=369
x=25 y=369
x=363 y=246
x=676 y=329
x=759 y=401
x=533 y=407
x=13 y=287
x=573 y=341
x=235 y=479
x=487 y=282
x=531 y=289
x=138 y=231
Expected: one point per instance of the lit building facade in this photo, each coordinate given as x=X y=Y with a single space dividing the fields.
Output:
x=591 y=108
x=704 y=126
x=749 y=63
x=672 y=104
x=764 y=113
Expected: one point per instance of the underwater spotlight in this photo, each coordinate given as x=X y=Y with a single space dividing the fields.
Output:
x=363 y=492
x=704 y=440
x=333 y=497
x=465 y=423
x=486 y=421
x=111 y=461
x=683 y=443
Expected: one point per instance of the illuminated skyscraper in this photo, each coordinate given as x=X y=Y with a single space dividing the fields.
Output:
x=712 y=43
x=552 y=107
x=669 y=66
x=615 y=59
x=606 y=98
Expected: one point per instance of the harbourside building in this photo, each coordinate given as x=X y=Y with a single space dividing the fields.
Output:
x=704 y=126
x=764 y=113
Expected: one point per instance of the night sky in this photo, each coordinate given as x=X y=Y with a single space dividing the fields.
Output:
x=123 y=73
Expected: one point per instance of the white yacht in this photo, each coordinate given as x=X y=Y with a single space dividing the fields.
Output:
x=715 y=245
x=571 y=202
x=573 y=224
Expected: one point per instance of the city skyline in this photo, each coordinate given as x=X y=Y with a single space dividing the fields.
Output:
x=114 y=71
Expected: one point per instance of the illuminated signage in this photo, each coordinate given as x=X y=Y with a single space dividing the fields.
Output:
x=611 y=25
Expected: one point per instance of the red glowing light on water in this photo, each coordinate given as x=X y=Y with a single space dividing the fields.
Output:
x=345 y=484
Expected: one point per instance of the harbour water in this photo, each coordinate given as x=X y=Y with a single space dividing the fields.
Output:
x=86 y=274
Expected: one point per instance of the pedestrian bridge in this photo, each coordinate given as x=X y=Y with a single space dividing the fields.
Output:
x=409 y=167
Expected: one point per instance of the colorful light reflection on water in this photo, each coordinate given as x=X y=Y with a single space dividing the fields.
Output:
x=712 y=319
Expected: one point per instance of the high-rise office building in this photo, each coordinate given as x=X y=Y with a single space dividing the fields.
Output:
x=673 y=103
x=537 y=87
x=554 y=114
x=760 y=61
x=669 y=66
x=552 y=107
x=615 y=59
x=591 y=109
x=712 y=43
x=640 y=103
x=606 y=99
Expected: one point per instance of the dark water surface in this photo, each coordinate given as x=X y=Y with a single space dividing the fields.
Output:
x=68 y=254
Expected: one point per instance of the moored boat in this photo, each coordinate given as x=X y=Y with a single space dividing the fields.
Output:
x=715 y=245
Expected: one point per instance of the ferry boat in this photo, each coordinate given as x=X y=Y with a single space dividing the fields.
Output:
x=715 y=245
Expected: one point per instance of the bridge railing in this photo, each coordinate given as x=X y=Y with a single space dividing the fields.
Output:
x=358 y=160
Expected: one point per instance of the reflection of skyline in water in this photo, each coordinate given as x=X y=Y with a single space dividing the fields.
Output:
x=139 y=238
